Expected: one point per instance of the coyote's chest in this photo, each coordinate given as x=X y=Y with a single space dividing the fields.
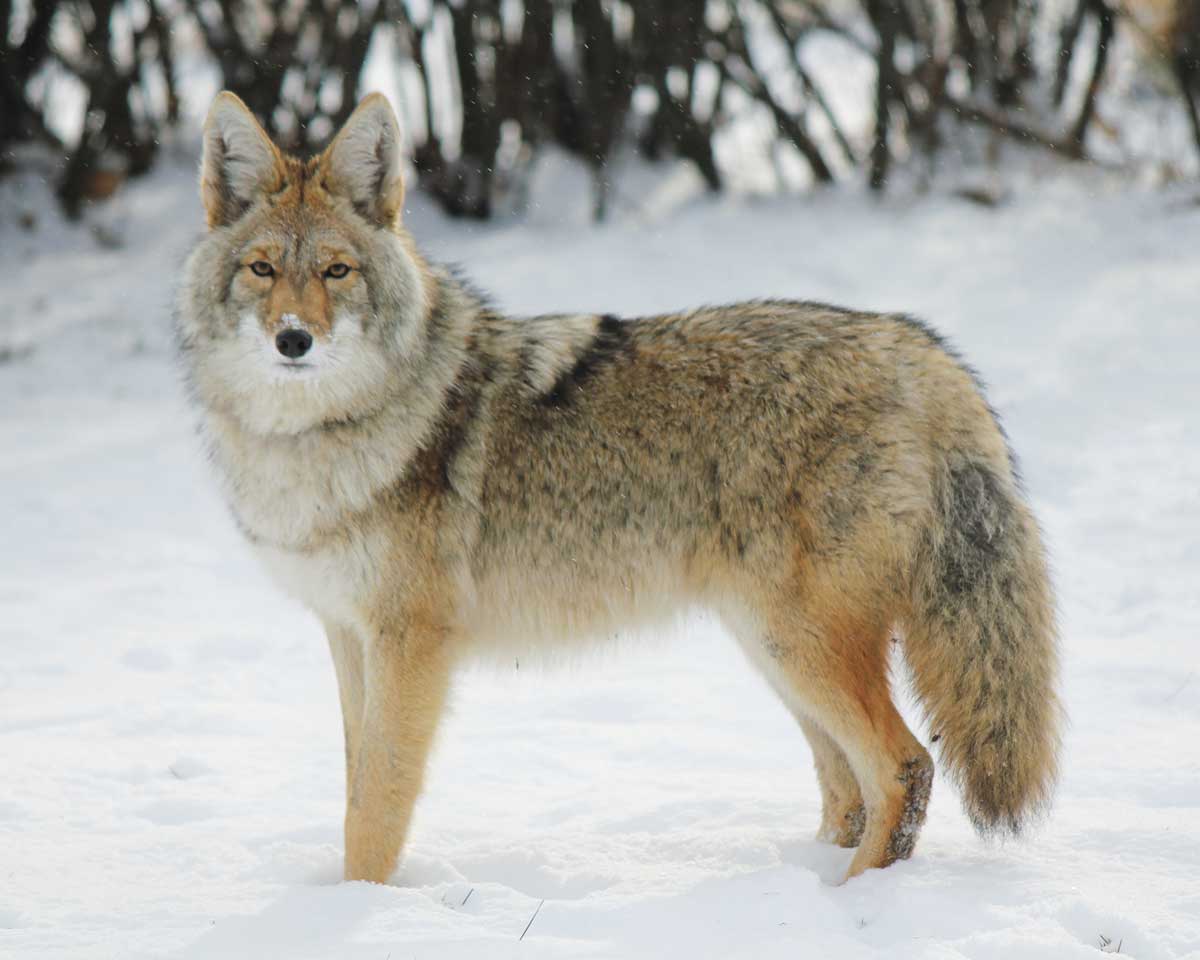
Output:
x=308 y=508
x=337 y=581
x=324 y=554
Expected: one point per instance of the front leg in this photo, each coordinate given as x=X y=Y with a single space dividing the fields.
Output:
x=346 y=646
x=405 y=678
x=843 y=816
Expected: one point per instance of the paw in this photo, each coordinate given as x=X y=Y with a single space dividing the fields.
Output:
x=845 y=827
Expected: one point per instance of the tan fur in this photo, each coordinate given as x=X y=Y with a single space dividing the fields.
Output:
x=444 y=481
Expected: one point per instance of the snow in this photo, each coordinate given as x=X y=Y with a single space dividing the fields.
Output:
x=169 y=724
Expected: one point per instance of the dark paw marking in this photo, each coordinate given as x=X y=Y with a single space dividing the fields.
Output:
x=853 y=825
x=917 y=777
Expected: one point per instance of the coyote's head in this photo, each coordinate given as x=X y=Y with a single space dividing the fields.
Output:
x=305 y=300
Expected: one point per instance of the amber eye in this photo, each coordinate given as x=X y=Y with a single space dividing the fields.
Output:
x=260 y=268
x=336 y=271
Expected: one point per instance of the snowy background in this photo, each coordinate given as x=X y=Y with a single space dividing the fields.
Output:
x=169 y=727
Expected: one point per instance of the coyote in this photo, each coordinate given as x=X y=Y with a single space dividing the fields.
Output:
x=435 y=479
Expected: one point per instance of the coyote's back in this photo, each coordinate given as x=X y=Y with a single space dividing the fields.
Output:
x=434 y=478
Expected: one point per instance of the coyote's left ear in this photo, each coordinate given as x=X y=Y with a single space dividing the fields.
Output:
x=363 y=162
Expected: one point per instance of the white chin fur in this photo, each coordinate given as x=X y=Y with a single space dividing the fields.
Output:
x=338 y=378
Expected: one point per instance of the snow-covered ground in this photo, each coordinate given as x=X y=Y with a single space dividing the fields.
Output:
x=169 y=732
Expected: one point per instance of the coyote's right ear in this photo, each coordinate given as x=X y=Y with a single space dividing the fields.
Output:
x=239 y=161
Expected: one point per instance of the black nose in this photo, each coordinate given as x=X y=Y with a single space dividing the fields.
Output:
x=293 y=343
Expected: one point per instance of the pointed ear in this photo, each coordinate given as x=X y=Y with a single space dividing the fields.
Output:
x=239 y=161
x=363 y=162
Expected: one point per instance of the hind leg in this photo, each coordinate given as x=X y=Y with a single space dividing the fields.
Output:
x=843 y=816
x=833 y=671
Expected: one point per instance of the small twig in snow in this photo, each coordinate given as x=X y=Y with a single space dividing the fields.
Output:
x=531 y=919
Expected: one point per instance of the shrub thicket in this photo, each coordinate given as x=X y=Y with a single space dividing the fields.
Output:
x=492 y=81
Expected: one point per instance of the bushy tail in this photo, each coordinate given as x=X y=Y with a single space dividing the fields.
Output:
x=982 y=644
